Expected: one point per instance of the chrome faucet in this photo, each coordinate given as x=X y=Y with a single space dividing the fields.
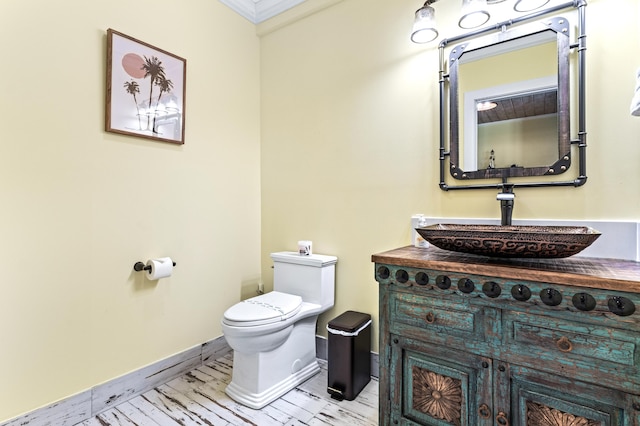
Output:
x=506 y=198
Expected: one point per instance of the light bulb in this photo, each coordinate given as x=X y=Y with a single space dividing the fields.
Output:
x=474 y=13
x=528 y=5
x=424 y=29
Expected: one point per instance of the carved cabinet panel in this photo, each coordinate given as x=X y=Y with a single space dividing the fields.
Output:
x=537 y=399
x=449 y=389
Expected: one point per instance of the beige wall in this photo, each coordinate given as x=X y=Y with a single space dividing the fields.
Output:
x=350 y=136
x=80 y=206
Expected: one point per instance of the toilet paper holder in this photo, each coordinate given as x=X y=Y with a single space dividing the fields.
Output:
x=139 y=266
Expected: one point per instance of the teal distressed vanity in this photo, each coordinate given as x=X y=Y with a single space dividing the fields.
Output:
x=473 y=341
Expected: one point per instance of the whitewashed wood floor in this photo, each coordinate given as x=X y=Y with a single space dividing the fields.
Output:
x=198 y=398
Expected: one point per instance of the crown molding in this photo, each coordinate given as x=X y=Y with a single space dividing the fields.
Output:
x=302 y=10
x=258 y=11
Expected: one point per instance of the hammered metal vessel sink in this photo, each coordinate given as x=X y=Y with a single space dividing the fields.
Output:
x=550 y=242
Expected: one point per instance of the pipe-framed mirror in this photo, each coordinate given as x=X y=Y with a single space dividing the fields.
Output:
x=509 y=89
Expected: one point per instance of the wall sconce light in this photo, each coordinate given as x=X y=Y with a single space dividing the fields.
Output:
x=474 y=14
x=424 y=25
x=528 y=5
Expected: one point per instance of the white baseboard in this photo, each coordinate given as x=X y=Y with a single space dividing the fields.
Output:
x=86 y=404
x=66 y=412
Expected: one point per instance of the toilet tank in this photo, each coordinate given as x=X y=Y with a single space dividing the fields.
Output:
x=311 y=277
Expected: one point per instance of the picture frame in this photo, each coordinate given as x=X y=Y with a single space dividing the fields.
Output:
x=145 y=90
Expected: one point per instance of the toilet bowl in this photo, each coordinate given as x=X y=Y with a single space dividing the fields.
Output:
x=273 y=335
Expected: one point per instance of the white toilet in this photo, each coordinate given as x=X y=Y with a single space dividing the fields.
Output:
x=273 y=335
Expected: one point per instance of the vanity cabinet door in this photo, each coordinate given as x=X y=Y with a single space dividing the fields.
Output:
x=536 y=399
x=433 y=385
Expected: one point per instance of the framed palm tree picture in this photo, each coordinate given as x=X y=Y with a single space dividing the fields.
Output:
x=145 y=90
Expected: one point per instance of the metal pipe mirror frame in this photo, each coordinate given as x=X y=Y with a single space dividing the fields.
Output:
x=498 y=33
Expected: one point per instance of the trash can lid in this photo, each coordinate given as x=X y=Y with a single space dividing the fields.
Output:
x=349 y=321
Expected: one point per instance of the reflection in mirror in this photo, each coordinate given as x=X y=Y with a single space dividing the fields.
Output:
x=519 y=131
x=519 y=77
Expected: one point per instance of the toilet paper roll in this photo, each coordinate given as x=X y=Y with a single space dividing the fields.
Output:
x=160 y=268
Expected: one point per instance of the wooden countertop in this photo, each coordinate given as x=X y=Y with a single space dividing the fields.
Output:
x=608 y=274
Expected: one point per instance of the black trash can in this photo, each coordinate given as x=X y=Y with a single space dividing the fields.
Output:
x=349 y=356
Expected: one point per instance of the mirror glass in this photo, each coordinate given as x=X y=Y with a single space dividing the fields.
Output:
x=509 y=104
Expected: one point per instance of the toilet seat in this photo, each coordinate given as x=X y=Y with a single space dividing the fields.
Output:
x=264 y=309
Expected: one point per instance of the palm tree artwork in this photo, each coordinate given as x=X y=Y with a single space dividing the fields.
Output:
x=154 y=80
x=144 y=67
x=132 y=87
x=153 y=69
x=165 y=85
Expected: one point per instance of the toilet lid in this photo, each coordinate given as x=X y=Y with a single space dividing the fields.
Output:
x=264 y=309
